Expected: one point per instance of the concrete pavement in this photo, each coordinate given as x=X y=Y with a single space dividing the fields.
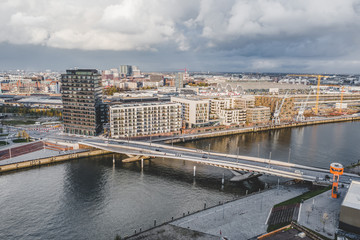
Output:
x=242 y=219
x=313 y=209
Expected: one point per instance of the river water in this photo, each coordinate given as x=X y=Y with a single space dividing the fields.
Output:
x=93 y=199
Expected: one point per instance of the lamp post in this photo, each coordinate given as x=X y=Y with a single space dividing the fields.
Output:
x=209 y=151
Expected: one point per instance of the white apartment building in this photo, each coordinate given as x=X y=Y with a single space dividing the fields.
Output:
x=218 y=104
x=195 y=112
x=131 y=120
x=232 y=116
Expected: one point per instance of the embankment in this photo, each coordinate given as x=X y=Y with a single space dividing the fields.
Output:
x=228 y=132
x=50 y=160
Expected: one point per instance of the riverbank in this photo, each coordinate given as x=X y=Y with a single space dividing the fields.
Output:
x=212 y=134
x=243 y=218
x=50 y=160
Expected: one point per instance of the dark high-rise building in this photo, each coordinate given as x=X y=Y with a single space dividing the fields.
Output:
x=82 y=102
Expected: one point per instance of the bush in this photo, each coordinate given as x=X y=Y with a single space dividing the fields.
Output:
x=20 y=140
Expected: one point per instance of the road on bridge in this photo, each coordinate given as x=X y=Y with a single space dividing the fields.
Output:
x=235 y=162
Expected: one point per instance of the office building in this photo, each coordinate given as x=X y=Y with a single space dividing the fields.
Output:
x=144 y=119
x=83 y=110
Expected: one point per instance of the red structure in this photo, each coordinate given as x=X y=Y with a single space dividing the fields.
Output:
x=336 y=169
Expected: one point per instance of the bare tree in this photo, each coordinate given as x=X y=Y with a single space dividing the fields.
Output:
x=324 y=218
x=308 y=212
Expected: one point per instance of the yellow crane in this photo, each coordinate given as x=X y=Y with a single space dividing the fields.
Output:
x=317 y=89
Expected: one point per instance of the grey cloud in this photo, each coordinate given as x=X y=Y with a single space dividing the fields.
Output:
x=234 y=34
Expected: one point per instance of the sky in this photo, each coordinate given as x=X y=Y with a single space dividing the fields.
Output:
x=302 y=36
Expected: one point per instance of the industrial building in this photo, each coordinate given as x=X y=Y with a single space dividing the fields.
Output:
x=83 y=110
x=144 y=119
x=350 y=209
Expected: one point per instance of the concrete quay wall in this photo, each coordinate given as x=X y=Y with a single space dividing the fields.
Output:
x=50 y=160
x=258 y=129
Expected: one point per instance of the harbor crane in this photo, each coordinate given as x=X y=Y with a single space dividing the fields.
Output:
x=276 y=117
x=341 y=99
x=317 y=89
x=300 y=117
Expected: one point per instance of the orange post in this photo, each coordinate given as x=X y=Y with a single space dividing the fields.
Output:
x=336 y=169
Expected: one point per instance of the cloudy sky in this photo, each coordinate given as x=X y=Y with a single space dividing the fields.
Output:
x=320 y=36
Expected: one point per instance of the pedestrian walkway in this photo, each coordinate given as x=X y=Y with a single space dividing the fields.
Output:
x=313 y=210
x=242 y=219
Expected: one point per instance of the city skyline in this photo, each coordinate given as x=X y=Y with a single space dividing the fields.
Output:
x=231 y=36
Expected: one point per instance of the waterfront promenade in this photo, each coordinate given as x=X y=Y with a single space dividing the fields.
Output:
x=240 y=219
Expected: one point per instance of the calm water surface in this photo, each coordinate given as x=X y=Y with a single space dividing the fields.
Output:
x=92 y=199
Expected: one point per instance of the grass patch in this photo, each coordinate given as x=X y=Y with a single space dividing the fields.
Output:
x=277 y=226
x=304 y=196
x=298 y=199
x=3 y=143
x=4 y=135
x=20 y=140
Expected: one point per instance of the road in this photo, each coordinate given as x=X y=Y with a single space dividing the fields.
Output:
x=235 y=162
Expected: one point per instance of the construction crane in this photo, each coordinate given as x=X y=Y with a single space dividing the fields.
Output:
x=341 y=99
x=300 y=117
x=276 y=117
x=317 y=89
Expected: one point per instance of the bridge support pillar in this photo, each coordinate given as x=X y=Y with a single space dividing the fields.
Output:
x=223 y=179
x=142 y=163
x=194 y=171
x=113 y=158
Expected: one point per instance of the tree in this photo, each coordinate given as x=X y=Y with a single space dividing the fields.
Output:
x=324 y=218
x=117 y=237
x=308 y=212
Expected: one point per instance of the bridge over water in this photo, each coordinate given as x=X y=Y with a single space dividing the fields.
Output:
x=227 y=161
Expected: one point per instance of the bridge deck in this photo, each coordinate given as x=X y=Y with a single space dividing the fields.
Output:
x=228 y=161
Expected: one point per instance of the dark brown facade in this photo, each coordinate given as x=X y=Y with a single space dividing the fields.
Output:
x=82 y=102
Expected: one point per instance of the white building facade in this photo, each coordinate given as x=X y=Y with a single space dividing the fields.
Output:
x=232 y=116
x=133 y=120
x=195 y=112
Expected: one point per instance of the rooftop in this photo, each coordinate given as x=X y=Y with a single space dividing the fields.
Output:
x=352 y=198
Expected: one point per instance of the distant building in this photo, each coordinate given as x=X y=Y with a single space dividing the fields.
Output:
x=125 y=70
x=287 y=111
x=135 y=71
x=218 y=104
x=232 y=116
x=258 y=115
x=195 y=112
x=83 y=110
x=143 y=119
x=244 y=102
x=179 y=80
